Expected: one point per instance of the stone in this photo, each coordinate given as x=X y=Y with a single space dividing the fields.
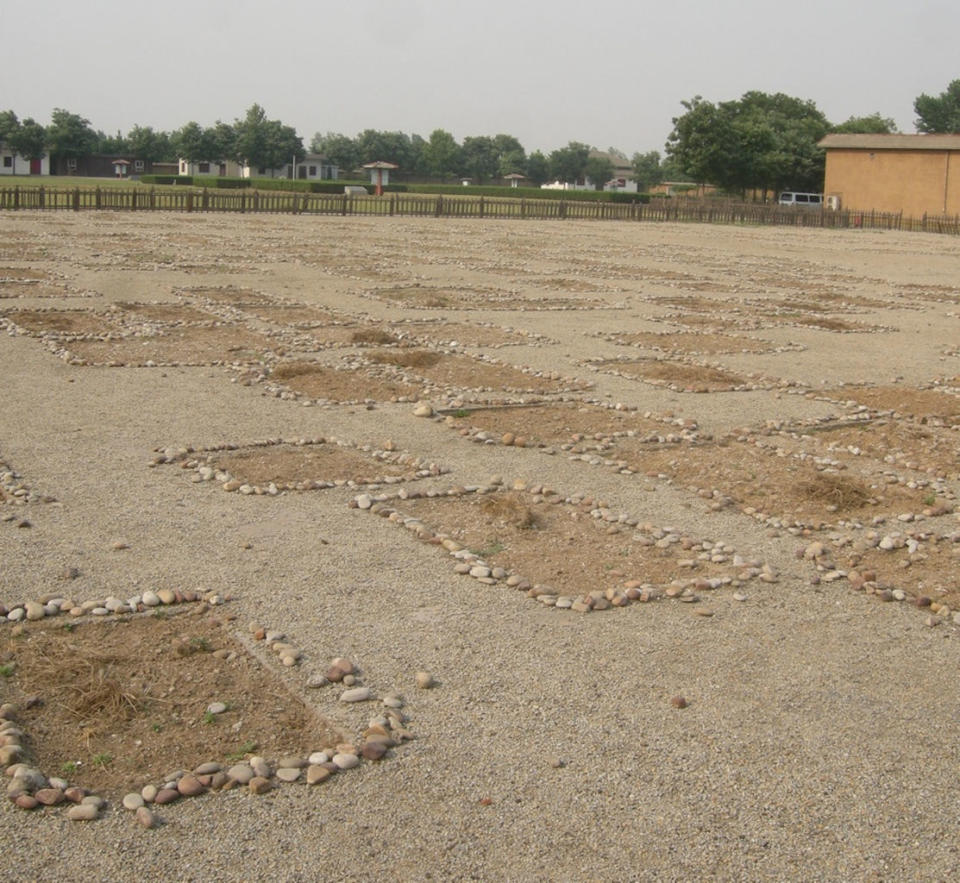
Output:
x=133 y=801
x=288 y=774
x=679 y=702
x=260 y=767
x=150 y=599
x=346 y=761
x=357 y=694
x=259 y=785
x=49 y=796
x=146 y=818
x=373 y=750
x=166 y=596
x=149 y=793
x=216 y=708
x=424 y=680
x=190 y=786
x=26 y=801
x=83 y=812
x=208 y=769
x=166 y=795
x=241 y=773
x=317 y=774
x=423 y=410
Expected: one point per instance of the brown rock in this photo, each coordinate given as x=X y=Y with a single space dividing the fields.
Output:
x=373 y=750
x=26 y=801
x=49 y=796
x=166 y=795
x=259 y=785
x=679 y=702
x=317 y=773
x=146 y=818
x=190 y=786
x=75 y=794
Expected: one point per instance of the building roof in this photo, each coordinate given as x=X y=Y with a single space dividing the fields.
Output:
x=516 y=176
x=380 y=164
x=890 y=142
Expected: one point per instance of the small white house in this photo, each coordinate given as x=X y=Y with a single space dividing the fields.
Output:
x=223 y=168
x=313 y=167
x=14 y=164
x=622 y=185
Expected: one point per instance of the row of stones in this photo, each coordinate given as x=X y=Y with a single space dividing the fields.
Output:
x=866 y=580
x=770 y=347
x=530 y=305
x=473 y=565
x=605 y=366
x=204 y=470
x=54 y=605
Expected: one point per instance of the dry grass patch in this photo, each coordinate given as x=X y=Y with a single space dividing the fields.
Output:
x=288 y=465
x=316 y=381
x=163 y=312
x=677 y=375
x=112 y=706
x=191 y=345
x=920 y=404
x=690 y=342
x=229 y=295
x=37 y=322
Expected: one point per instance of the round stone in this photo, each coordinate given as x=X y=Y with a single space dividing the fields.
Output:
x=357 y=694
x=288 y=774
x=424 y=680
x=133 y=801
x=84 y=812
x=146 y=818
x=346 y=761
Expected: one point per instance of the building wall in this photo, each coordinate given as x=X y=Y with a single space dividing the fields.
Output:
x=915 y=182
x=14 y=164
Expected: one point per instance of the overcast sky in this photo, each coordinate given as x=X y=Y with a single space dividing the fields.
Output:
x=611 y=73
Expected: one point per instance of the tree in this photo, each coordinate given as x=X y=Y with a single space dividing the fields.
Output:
x=188 y=142
x=341 y=150
x=480 y=157
x=30 y=139
x=373 y=145
x=538 y=168
x=511 y=157
x=599 y=169
x=69 y=136
x=112 y=143
x=442 y=154
x=940 y=114
x=8 y=125
x=145 y=143
x=647 y=171
x=869 y=125
x=569 y=163
x=761 y=141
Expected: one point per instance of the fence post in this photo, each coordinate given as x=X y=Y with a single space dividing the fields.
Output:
x=343 y=206
x=133 y=200
x=481 y=206
x=153 y=199
x=439 y=206
x=392 y=200
x=562 y=214
x=41 y=197
x=523 y=208
x=189 y=200
x=16 y=196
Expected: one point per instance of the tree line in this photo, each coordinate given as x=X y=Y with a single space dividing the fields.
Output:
x=760 y=141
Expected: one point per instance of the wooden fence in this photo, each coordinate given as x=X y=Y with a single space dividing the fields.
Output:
x=708 y=211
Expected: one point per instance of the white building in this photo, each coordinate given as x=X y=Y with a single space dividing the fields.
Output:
x=223 y=168
x=14 y=164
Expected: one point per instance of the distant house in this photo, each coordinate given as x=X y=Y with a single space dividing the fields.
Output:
x=12 y=163
x=102 y=165
x=227 y=168
x=622 y=179
x=913 y=174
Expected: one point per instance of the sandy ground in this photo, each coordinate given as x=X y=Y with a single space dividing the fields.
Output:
x=821 y=737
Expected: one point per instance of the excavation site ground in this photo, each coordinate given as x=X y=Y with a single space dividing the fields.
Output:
x=341 y=547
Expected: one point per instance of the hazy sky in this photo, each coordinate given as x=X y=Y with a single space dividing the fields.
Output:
x=611 y=73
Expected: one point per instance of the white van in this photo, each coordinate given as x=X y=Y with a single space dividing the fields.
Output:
x=801 y=200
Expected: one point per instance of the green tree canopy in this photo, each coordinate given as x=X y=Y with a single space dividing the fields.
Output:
x=761 y=141
x=538 y=168
x=647 y=170
x=480 y=157
x=260 y=142
x=70 y=135
x=112 y=143
x=8 y=125
x=941 y=113
x=341 y=150
x=374 y=145
x=442 y=154
x=868 y=125
x=153 y=146
x=599 y=169
x=569 y=163
x=29 y=139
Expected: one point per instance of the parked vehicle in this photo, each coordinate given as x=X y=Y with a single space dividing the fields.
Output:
x=801 y=200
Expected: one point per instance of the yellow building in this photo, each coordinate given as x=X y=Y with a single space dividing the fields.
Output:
x=914 y=174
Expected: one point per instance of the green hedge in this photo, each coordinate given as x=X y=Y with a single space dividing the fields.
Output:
x=529 y=193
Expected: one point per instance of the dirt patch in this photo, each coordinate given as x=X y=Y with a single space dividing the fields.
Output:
x=288 y=466
x=116 y=705
x=40 y=322
x=688 y=342
x=426 y=298
x=560 y=547
x=921 y=404
x=797 y=487
x=230 y=295
x=569 y=425
x=462 y=372
x=190 y=345
x=162 y=312
x=294 y=315
x=679 y=376
x=339 y=384
x=22 y=274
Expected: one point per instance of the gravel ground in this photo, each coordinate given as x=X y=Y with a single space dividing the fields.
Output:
x=821 y=737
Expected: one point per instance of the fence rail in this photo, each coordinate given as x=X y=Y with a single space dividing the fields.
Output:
x=448 y=206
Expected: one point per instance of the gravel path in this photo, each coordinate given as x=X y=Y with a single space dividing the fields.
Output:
x=820 y=739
